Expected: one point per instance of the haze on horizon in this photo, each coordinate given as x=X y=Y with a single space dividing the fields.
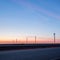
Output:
x=23 y=18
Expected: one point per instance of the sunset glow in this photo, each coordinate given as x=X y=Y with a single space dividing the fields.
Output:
x=21 y=19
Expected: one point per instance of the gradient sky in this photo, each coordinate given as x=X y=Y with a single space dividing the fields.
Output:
x=29 y=18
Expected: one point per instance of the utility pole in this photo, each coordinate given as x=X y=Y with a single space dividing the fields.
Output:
x=16 y=41
x=54 y=37
x=35 y=39
x=26 y=40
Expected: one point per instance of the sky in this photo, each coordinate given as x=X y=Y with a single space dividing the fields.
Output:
x=21 y=18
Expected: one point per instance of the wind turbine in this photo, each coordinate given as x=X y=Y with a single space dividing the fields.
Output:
x=54 y=37
x=35 y=39
x=26 y=40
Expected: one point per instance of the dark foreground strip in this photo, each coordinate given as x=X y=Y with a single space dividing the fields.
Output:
x=4 y=47
x=31 y=54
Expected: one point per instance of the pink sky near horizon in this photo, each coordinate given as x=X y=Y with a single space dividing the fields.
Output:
x=28 y=18
x=29 y=40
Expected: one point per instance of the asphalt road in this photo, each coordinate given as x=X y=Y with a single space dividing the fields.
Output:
x=32 y=54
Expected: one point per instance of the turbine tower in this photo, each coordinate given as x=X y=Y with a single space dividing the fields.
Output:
x=26 y=40
x=35 y=39
x=54 y=37
x=16 y=41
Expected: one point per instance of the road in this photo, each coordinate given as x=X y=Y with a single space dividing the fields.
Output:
x=32 y=54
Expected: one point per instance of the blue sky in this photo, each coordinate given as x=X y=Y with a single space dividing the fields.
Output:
x=29 y=18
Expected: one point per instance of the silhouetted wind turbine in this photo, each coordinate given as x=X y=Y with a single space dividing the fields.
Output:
x=54 y=37
x=26 y=40
x=16 y=40
x=35 y=39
